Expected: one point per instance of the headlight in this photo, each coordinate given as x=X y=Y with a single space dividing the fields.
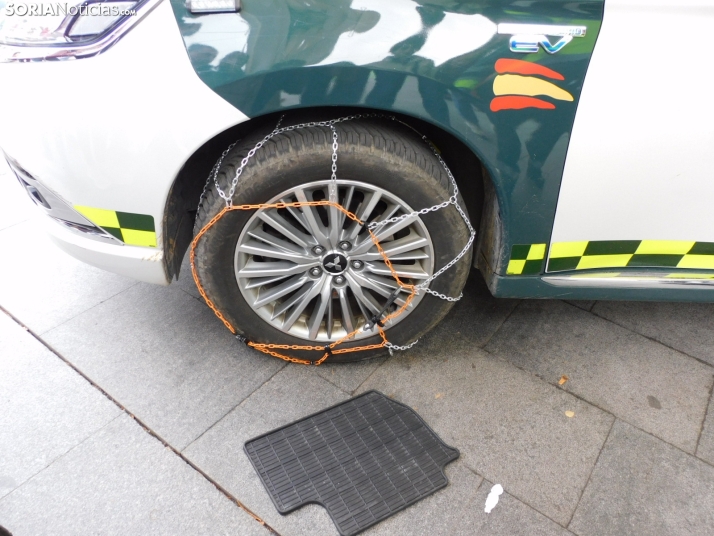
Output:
x=32 y=30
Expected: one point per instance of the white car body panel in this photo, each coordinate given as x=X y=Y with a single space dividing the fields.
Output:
x=140 y=97
x=639 y=165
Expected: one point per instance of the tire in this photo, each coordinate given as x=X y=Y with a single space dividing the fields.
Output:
x=373 y=155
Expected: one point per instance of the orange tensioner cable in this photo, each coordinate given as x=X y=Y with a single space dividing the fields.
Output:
x=329 y=349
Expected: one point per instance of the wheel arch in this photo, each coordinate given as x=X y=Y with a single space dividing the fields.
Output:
x=182 y=202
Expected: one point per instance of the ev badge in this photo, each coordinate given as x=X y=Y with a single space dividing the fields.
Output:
x=335 y=263
x=528 y=38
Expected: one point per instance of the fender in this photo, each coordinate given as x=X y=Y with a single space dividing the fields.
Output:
x=442 y=61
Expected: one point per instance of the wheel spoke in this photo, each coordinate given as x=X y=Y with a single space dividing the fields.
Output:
x=318 y=313
x=295 y=213
x=265 y=250
x=279 y=243
x=406 y=271
x=348 y=320
x=286 y=287
x=268 y=269
x=334 y=217
x=346 y=202
x=389 y=229
x=257 y=282
x=363 y=298
x=319 y=232
x=277 y=222
x=380 y=285
x=367 y=251
x=330 y=319
x=301 y=304
x=363 y=211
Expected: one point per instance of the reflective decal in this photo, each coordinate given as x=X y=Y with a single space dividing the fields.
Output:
x=630 y=253
x=516 y=86
x=132 y=229
x=526 y=259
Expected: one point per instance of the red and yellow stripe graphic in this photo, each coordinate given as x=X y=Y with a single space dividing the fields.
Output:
x=517 y=87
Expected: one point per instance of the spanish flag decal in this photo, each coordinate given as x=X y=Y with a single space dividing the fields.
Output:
x=519 y=84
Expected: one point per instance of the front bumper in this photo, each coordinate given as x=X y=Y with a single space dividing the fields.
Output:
x=111 y=132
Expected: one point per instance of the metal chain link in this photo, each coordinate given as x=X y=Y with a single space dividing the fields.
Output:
x=373 y=226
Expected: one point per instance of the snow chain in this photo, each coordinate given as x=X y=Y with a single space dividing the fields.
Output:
x=378 y=321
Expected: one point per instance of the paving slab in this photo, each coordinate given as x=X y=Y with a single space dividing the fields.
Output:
x=16 y=204
x=164 y=356
x=348 y=377
x=644 y=383
x=687 y=327
x=641 y=485
x=458 y=509
x=291 y=394
x=43 y=286
x=474 y=319
x=509 y=426
x=122 y=481
x=46 y=407
x=705 y=450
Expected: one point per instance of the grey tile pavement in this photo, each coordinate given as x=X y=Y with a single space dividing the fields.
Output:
x=291 y=394
x=459 y=510
x=686 y=327
x=43 y=286
x=45 y=407
x=649 y=385
x=164 y=356
x=122 y=481
x=644 y=486
x=509 y=426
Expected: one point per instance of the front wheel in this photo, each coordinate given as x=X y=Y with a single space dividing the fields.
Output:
x=309 y=275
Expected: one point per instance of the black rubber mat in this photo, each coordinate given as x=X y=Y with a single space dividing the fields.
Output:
x=363 y=460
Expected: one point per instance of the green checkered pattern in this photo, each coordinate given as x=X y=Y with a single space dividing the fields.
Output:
x=630 y=253
x=526 y=259
x=132 y=229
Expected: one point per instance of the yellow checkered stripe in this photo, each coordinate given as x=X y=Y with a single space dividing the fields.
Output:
x=630 y=253
x=526 y=259
x=132 y=229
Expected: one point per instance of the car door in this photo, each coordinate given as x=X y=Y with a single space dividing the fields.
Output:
x=638 y=187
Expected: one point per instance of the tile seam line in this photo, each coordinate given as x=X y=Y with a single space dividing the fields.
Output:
x=517 y=497
x=704 y=419
x=146 y=428
x=352 y=393
x=703 y=362
x=231 y=410
x=14 y=225
x=47 y=331
x=607 y=411
x=590 y=475
x=58 y=458
x=500 y=326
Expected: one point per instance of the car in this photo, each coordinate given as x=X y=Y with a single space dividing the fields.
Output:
x=335 y=169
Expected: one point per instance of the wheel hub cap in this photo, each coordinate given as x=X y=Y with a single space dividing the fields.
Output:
x=334 y=263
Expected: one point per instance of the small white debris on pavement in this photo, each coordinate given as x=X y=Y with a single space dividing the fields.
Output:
x=492 y=499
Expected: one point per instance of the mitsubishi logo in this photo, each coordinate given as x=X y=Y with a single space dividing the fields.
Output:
x=335 y=263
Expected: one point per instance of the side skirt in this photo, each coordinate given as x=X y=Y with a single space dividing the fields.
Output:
x=636 y=286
